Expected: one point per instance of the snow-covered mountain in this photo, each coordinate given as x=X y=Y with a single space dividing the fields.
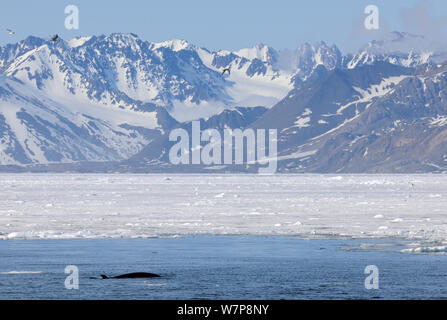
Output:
x=399 y=48
x=397 y=125
x=119 y=92
x=37 y=129
x=374 y=118
x=104 y=98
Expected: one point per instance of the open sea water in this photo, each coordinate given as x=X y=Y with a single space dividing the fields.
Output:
x=219 y=267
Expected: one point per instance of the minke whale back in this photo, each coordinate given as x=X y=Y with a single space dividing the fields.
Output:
x=135 y=275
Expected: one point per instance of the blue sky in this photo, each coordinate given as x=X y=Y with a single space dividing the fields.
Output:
x=226 y=24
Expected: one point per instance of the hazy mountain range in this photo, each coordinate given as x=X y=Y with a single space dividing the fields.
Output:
x=108 y=103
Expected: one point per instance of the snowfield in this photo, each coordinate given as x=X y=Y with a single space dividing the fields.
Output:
x=67 y=206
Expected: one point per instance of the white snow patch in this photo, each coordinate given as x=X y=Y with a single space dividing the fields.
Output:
x=439 y=121
x=302 y=122
x=386 y=86
x=78 y=41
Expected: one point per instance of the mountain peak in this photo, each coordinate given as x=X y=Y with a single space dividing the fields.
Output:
x=397 y=35
x=174 y=45
x=399 y=42
x=123 y=39
x=259 y=51
x=261 y=46
x=124 y=35
x=78 y=41
x=321 y=44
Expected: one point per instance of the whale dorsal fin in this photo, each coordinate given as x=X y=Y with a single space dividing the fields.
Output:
x=104 y=276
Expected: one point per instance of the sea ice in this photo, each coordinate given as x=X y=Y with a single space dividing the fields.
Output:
x=67 y=206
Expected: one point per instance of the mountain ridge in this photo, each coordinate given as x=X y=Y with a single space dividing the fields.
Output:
x=108 y=98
